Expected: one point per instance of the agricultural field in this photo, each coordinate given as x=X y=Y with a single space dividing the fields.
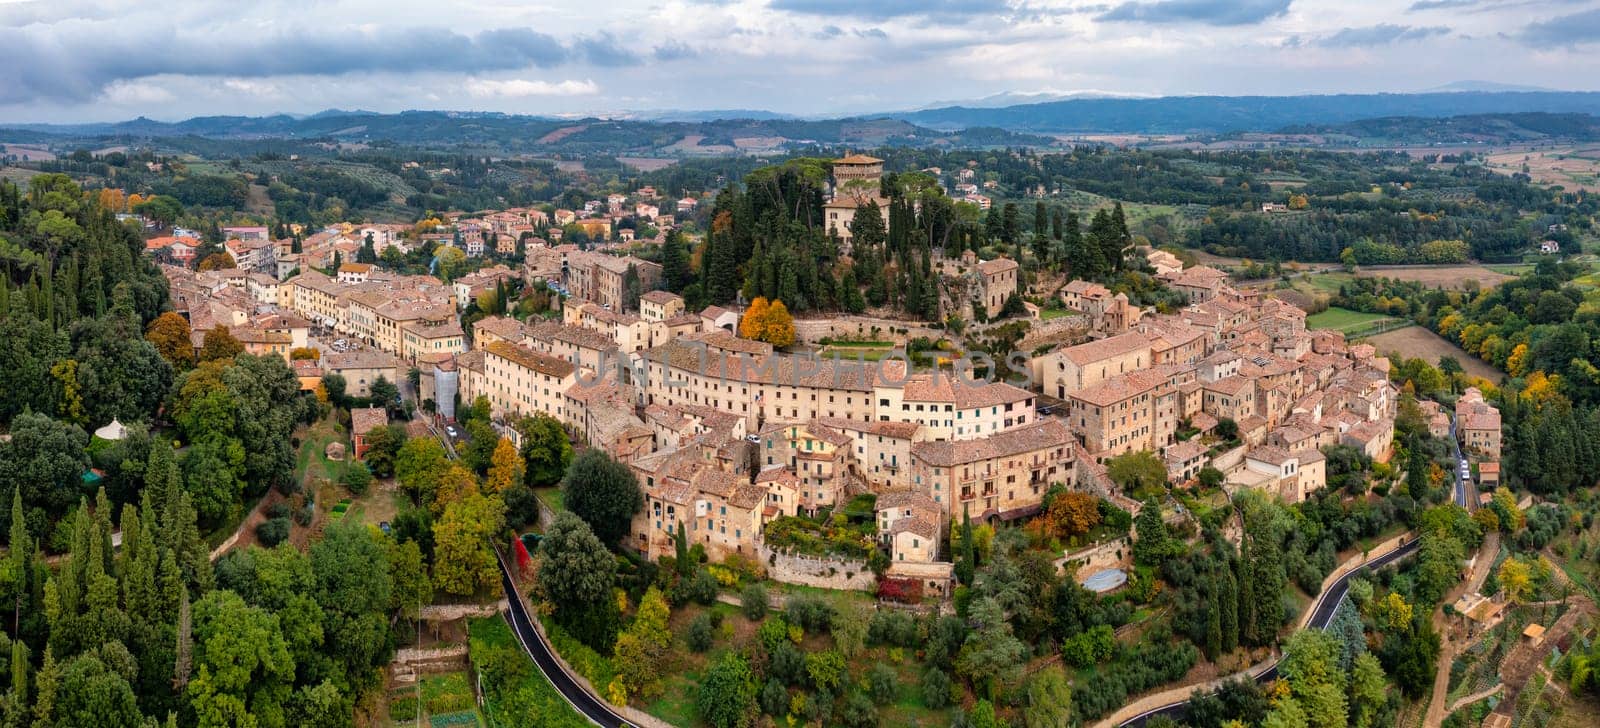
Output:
x=1573 y=167
x=1416 y=341
x=518 y=694
x=1438 y=276
x=1342 y=319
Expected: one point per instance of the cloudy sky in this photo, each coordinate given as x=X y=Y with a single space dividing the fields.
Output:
x=93 y=60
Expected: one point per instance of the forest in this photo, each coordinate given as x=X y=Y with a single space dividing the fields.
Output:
x=1542 y=330
x=120 y=615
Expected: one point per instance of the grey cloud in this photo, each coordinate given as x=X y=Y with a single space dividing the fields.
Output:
x=603 y=50
x=77 y=66
x=888 y=9
x=674 y=51
x=1568 y=30
x=1205 y=12
x=1377 y=35
x=1442 y=4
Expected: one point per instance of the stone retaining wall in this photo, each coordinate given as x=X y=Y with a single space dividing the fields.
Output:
x=827 y=573
x=862 y=328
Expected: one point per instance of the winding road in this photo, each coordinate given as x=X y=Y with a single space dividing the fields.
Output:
x=535 y=645
x=1321 y=616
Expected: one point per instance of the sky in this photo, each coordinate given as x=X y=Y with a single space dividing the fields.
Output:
x=108 y=60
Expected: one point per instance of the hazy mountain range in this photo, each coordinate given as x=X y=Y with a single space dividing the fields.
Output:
x=1490 y=115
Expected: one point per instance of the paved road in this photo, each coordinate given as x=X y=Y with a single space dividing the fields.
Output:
x=1321 y=616
x=1466 y=493
x=533 y=643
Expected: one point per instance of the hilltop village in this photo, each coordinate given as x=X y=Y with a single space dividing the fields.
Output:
x=726 y=434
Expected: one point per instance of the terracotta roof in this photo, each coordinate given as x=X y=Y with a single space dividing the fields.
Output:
x=1093 y=351
x=546 y=331
x=1041 y=435
x=529 y=359
x=906 y=499
x=1271 y=454
x=998 y=265
x=858 y=159
x=367 y=419
x=362 y=359
x=1123 y=387
x=1184 y=451
x=919 y=525
x=963 y=394
x=1233 y=386
x=897 y=430
x=661 y=297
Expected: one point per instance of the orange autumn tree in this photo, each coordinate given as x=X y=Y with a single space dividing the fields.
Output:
x=169 y=334
x=769 y=322
x=753 y=324
x=778 y=329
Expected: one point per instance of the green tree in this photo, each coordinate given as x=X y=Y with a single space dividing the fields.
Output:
x=545 y=448
x=1139 y=472
x=727 y=697
x=604 y=493
x=992 y=656
x=242 y=660
x=92 y=694
x=383 y=448
x=1152 y=544
x=420 y=466
x=1369 y=691
x=576 y=573
x=219 y=344
x=1049 y=700
x=675 y=271
x=463 y=563
x=967 y=564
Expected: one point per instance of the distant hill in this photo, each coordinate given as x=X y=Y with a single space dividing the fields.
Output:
x=514 y=133
x=1221 y=114
x=1494 y=128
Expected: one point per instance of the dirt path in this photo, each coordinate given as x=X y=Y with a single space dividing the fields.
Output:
x=1449 y=648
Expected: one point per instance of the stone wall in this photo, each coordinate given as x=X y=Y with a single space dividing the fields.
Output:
x=862 y=328
x=1083 y=563
x=1228 y=461
x=830 y=573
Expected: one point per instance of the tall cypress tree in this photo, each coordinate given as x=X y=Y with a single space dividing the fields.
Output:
x=967 y=563
x=1228 y=606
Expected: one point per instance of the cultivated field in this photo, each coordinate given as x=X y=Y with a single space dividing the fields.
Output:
x=646 y=164
x=1342 y=319
x=1575 y=167
x=1437 y=276
x=1416 y=341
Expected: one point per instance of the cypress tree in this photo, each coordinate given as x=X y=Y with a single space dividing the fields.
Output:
x=1213 y=630
x=967 y=564
x=49 y=678
x=1228 y=605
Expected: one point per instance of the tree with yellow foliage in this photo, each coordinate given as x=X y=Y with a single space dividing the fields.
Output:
x=456 y=483
x=1298 y=202
x=218 y=261
x=754 y=323
x=505 y=467
x=110 y=198
x=304 y=353
x=1515 y=580
x=779 y=326
x=1391 y=612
